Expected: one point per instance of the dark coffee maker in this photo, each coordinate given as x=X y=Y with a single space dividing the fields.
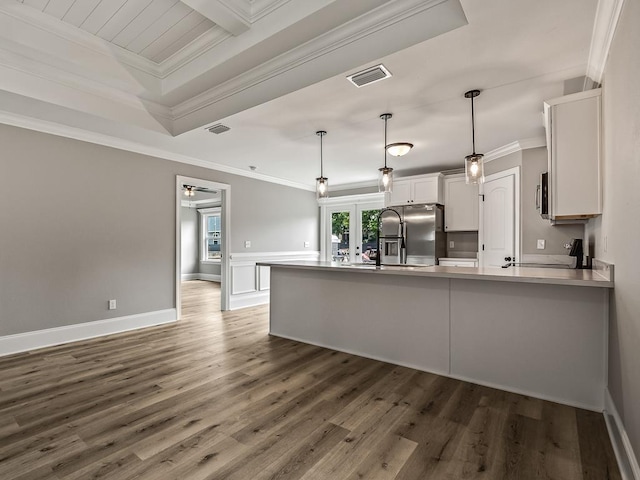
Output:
x=576 y=251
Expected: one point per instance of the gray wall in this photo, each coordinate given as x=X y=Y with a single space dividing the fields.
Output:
x=620 y=222
x=83 y=223
x=189 y=240
x=534 y=227
x=532 y=163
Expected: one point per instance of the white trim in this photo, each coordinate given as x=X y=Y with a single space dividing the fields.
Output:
x=245 y=300
x=604 y=28
x=226 y=236
x=208 y=277
x=237 y=258
x=23 y=342
x=66 y=131
x=618 y=434
x=185 y=277
x=514 y=147
x=352 y=186
x=352 y=199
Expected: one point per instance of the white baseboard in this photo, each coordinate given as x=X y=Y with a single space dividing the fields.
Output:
x=209 y=277
x=245 y=300
x=23 y=342
x=627 y=460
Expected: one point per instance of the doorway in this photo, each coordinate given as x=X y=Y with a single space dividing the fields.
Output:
x=349 y=228
x=499 y=229
x=213 y=237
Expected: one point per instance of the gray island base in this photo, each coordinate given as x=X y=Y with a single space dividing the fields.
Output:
x=516 y=331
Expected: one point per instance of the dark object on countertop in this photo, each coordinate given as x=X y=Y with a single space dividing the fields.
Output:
x=576 y=251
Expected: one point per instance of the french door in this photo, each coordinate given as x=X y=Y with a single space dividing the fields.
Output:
x=350 y=232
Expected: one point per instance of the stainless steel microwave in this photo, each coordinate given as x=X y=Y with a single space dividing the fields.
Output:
x=542 y=195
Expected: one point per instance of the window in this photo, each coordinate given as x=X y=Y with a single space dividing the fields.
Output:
x=211 y=235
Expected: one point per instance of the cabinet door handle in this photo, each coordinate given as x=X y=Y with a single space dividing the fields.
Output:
x=538 y=187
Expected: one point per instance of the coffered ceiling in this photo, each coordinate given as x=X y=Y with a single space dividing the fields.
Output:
x=151 y=75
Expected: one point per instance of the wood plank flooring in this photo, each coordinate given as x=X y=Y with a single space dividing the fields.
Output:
x=214 y=397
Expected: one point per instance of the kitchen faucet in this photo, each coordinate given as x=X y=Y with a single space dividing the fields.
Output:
x=402 y=245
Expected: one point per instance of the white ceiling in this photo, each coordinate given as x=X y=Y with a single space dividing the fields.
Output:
x=281 y=77
x=154 y=29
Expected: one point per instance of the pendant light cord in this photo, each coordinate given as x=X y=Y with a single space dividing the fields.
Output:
x=321 y=173
x=473 y=128
x=385 y=141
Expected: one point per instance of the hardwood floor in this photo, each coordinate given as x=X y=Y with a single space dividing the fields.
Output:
x=214 y=397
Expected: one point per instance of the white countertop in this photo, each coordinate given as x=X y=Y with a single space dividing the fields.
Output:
x=601 y=277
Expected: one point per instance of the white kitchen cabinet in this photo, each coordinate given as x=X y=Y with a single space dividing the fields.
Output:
x=574 y=132
x=417 y=189
x=460 y=204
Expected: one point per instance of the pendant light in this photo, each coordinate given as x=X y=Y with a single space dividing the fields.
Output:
x=385 y=178
x=473 y=164
x=322 y=182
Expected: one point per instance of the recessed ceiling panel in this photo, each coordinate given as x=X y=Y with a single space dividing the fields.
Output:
x=154 y=29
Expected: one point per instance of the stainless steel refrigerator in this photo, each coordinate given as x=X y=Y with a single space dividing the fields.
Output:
x=413 y=235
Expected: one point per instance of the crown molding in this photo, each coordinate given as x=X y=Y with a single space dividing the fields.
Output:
x=353 y=186
x=205 y=42
x=604 y=28
x=335 y=39
x=262 y=8
x=66 y=131
x=514 y=147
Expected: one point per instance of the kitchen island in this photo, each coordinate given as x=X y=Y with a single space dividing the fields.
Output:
x=537 y=331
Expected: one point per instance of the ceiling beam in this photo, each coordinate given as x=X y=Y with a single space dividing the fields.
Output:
x=232 y=15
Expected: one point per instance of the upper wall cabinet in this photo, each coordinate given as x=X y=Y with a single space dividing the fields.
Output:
x=573 y=125
x=461 y=204
x=417 y=189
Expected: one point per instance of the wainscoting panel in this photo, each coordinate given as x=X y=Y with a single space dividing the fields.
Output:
x=250 y=284
x=243 y=278
x=264 y=278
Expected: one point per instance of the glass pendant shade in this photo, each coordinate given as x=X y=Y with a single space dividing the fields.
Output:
x=385 y=179
x=189 y=192
x=322 y=187
x=474 y=168
x=322 y=182
x=399 y=149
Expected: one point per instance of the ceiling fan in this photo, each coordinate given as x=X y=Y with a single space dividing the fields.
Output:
x=190 y=190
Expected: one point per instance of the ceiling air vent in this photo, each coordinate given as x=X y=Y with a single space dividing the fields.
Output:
x=369 y=76
x=218 y=128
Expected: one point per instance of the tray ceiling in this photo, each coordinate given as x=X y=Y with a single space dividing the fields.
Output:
x=275 y=72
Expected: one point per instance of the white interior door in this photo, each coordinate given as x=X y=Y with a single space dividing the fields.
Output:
x=499 y=219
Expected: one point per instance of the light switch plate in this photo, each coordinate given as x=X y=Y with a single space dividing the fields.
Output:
x=451 y=244
x=541 y=244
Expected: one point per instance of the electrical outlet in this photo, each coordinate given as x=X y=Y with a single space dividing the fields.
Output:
x=306 y=244
x=112 y=305
x=452 y=244
x=541 y=244
x=247 y=244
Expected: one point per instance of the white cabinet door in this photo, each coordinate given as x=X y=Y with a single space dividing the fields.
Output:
x=401 y=193
x=575 y=158
x=498 y=229
x=426 y=190
x=460 y=205
x=574 y=132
